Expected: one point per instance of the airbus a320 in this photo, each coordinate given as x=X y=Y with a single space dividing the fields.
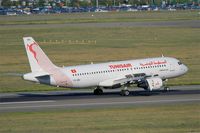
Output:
x=149 y=74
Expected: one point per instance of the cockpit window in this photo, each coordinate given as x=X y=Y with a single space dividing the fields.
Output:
x=180 y=63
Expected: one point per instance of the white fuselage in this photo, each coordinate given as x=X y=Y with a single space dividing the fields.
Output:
x=94 y=74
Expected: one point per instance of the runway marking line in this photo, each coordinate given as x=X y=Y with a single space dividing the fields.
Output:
x=93 y=104
x=24 y=102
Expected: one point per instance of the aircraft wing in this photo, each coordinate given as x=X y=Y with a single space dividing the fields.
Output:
x=126 y=79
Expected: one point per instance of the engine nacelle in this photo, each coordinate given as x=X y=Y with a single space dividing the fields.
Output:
x=152 y=83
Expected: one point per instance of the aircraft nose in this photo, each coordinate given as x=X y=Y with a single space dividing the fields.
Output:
x=185 y=68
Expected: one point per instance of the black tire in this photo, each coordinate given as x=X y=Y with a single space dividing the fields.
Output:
x=124 y=92
x=148 y=93
x=166 y=89
x=98 y=92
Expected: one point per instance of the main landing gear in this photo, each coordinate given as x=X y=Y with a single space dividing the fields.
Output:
x=124 y=92
x=98 y=91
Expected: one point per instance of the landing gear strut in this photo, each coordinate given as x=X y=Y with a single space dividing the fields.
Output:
x=124 y=92
x=98 y=91
x=166 y=89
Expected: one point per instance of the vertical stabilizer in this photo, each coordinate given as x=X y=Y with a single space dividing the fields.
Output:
x=37 y=58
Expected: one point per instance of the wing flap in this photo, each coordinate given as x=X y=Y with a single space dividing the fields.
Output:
x=120 y=80
x=130 y=78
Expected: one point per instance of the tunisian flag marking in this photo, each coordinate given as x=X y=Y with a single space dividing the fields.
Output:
x=73 y=71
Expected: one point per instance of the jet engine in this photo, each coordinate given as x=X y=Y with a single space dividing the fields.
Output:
x=150 y=84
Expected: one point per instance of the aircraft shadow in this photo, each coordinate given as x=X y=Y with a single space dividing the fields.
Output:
x=31 y=96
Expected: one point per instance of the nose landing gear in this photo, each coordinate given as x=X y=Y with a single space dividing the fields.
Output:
x=166 y=89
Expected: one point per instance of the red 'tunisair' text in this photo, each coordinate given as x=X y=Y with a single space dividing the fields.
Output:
x=120 y=66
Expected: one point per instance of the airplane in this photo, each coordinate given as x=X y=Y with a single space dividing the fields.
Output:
x=149 y=74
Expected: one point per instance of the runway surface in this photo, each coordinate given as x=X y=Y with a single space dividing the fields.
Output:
x=39 y=101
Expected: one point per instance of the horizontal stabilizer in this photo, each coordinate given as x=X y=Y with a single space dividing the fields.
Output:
x=40 y=74
x=36 y=74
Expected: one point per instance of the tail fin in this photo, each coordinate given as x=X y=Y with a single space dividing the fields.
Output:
x=37 y=58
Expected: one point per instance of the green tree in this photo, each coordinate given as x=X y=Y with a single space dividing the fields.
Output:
x=6 y=3
x=84 y=3
x=75 y=3
x=15 y=3
x=41 y=3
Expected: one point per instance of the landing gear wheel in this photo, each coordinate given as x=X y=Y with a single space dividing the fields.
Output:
x=148 y=93
x=124 y=92
x=166 y=89
x=98 y=92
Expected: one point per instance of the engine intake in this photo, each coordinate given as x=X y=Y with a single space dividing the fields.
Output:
x=150 y=84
